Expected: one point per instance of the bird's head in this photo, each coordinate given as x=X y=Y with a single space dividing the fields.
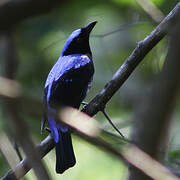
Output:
x=78 y=41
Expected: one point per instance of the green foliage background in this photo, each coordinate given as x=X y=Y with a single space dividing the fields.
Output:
x=39 y=41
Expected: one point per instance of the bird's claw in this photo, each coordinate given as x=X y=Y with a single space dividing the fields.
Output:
x=84 y=104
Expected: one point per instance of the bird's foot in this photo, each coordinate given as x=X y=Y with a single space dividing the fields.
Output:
x=84 y=104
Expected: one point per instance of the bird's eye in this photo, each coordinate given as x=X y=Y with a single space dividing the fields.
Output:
x=78 y=40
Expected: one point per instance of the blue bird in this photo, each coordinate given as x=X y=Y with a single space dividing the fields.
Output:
x=67 y=85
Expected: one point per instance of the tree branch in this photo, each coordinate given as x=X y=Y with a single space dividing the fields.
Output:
x=125 y=154
x=142 y=49
x=24 y=166
x=11 y=106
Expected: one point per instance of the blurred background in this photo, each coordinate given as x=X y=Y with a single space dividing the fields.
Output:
x=121 y=25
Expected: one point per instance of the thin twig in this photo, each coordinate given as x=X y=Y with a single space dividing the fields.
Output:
x=122 y=28
x=107 y=117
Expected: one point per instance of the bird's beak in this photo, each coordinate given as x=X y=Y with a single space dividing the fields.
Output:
x=90 y=26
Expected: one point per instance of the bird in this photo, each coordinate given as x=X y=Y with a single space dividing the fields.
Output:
x=67 y=84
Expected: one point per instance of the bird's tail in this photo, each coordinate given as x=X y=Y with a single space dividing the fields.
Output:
x=65 y=157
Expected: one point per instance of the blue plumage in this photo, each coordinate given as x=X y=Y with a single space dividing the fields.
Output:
x=73 y=35
x=67 y=85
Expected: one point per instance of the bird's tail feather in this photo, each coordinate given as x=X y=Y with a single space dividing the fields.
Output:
x=65 y=157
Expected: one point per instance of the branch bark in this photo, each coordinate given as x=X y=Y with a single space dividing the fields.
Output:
x=143 y=48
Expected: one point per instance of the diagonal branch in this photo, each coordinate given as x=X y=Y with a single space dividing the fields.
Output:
x=126 y=154
x=122 y=74
x=11 y=105
x=24 y=166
